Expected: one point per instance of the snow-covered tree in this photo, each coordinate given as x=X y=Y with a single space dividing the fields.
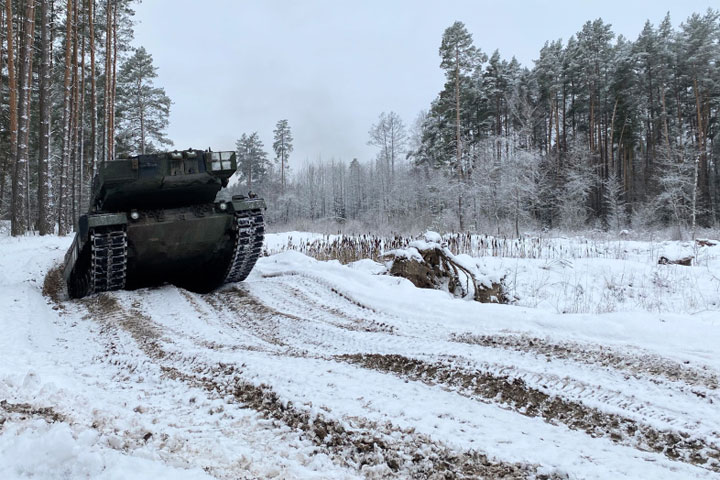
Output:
x=459 y=57
x=142 y=108
x=613 y=197
x=390 y=136
x=252 y=160
x=282 y=145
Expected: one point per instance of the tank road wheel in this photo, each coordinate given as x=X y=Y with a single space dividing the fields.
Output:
x=249 y=235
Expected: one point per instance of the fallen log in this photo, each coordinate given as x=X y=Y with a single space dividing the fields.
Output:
x=685 y=261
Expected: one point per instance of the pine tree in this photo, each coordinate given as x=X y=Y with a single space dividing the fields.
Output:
x=282 y=145
x=459 y=58
x=700 y=36
x=252 y=160
x=142 y=109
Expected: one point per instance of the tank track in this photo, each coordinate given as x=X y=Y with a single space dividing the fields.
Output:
x=250 y=232
x=108 y=261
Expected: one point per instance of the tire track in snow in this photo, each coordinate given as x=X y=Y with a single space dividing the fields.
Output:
x=241 y=311
x=150 y=350
x=377 y=450
x=621 y=429
x=338 y=343
x=516 y=394
x=640 y=364
x=352 y=322
x=325 y=285
x=374 y=450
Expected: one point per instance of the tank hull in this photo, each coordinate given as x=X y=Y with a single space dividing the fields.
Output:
x=197 y=247
x=181 y=247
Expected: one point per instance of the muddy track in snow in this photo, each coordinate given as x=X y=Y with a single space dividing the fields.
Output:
x=355 y=316
x=641 y=364
x=517 y=395
x=105 y=309
x=638 y=363
x=253 y=314
x=573 y=390
x=384 y=449
x=25 y=410
x=370 y=448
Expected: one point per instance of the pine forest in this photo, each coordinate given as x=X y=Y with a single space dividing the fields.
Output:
x=602 y=132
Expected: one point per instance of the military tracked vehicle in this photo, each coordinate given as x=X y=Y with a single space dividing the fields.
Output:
x=155 y=219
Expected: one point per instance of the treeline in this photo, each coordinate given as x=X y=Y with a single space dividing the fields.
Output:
x=74 y=94
x=601 y=132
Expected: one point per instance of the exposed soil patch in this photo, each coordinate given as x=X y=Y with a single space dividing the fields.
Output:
x=25 y=410
x=54 y=286
x=516 y=394
x=641 y=364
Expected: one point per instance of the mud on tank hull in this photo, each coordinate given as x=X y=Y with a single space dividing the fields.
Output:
x=197 y=247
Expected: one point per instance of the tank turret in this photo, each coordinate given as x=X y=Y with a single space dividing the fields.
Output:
x=155 y=219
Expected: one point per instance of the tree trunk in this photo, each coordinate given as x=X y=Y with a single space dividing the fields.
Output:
x=457 y=110
x=63 y=223
x=43 y=198
x=3 y=156
x=665 y=121
x=142 y=116
x=557 y=125
x=108 y=83
x=12 y=87
x=550 y=127
x=84 y=160
x=20 y=179
x=93 y=92
x=75 y=160
x=249 y=174
x=701 y=204
x=564 y=122
x=612 y=132
x=282 y=164
x=113 y=87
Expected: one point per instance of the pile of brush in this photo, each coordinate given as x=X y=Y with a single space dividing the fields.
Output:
x=429 y=263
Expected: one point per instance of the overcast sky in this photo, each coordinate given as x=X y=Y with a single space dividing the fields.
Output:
x=331 y=67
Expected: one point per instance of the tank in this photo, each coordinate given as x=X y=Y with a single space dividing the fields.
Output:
x=154 y=219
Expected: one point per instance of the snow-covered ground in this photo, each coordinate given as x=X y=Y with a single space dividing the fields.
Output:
x=317 y=370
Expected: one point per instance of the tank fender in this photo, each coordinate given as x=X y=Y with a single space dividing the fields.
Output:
x=71 y=257
x=242 y=204
x=85 y=223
